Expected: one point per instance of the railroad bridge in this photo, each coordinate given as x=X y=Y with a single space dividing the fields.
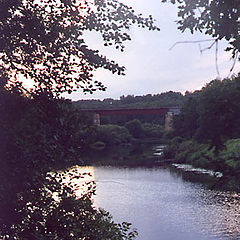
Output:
x=169 y=112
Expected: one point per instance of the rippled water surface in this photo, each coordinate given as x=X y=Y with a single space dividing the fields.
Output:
x=162 y=205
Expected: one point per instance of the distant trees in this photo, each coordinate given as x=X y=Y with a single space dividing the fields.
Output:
x=212 y=114
x=167 y=99
x=153 y=130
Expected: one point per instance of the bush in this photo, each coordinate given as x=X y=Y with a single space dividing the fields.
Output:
x=184 y=151
x=230 y=155
x=152 y=130
x=112 y=134
x=135 y=128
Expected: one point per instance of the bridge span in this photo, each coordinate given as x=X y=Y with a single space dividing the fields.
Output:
x=169 y=112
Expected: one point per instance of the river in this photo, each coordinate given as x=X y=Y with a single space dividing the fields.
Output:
x=165 y=205
x=162 y=202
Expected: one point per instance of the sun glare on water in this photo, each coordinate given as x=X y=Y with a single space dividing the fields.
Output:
x=78 y=178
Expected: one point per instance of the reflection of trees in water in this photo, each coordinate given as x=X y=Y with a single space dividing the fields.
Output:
x=127 y=155
x=221 y=209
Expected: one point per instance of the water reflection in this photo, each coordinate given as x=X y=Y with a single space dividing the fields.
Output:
x=77 y=178
x=162 y=205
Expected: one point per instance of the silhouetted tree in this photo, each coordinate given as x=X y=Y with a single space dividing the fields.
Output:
x=218 y=19
x=43 y=41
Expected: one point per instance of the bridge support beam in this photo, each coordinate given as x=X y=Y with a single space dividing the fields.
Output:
x=96 y=119
x=169 y=121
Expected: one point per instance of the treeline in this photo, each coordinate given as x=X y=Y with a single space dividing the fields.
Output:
x=207 y=131
x=167 y=99
x=211 y=114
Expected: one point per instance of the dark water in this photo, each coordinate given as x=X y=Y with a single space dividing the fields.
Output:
x=163 y=205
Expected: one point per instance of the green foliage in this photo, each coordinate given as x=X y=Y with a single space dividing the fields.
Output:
x=232 y=148
x=43 y=41
x=171 y=149
x=226 y=161
x=135 y=128
x=231 y=156
x=186 y=123
x=112 y=134
x=166 y=99
x=152 y=130
x=212 y=114
x=40 y=215
x=41 y=128
x=191 y=152
x=184 y=150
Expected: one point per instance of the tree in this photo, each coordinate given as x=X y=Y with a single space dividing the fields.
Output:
x=135 y=128
x=38 y=137
x=112 y=134
x=219 y=19
x=218 y=110
x=186 y=123
x=212 y=114
x=43 y=41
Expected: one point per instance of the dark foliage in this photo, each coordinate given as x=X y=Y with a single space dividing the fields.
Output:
x=219 y=19
x=38 y=137
x=212 y=114
x=43 y=41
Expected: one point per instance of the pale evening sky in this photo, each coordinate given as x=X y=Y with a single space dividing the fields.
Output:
x=152 y=68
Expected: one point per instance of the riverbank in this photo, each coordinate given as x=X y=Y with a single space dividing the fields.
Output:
x=186 y=153
x=226 y=161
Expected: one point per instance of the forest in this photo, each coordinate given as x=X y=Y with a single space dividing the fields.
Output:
x=206 y=133
x=42 y=133
x=167 y=99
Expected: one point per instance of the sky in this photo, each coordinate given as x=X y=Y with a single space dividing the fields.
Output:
x=151 y=67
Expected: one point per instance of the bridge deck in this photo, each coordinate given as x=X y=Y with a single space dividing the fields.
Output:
x=133 y=111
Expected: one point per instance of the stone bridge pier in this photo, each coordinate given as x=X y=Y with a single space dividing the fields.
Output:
x=169 y=121
x=96 y=119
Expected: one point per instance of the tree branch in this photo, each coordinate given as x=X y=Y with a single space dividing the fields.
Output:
x=216 y=59
x=197 y=41
x=234 y=63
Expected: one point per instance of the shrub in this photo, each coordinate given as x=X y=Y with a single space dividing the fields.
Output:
x=152 y=130
x=135 y=128
x=112 y=134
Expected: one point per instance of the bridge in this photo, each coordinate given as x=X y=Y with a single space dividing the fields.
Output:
x=169 y=112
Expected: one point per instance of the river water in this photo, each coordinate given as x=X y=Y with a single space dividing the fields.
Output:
x=165 y=205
